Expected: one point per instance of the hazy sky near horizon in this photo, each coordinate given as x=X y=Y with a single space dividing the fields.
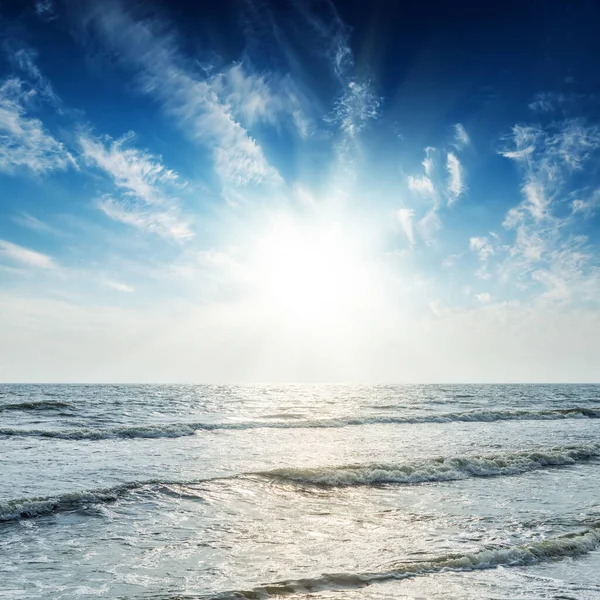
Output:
x=254 y=191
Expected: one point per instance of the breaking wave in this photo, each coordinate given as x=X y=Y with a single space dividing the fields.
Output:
x=41 y=405
x=425 y=471
x=28 y=508
x=438 y=469
x=567 y=546
x=173 y=430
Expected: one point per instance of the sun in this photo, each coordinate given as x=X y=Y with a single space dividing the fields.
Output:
x=310 y=272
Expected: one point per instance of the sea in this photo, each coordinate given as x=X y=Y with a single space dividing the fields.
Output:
x=169 y=492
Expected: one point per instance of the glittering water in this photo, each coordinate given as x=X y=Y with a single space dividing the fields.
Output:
x=170 y=492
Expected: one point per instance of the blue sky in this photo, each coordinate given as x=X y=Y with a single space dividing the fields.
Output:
x=299 y=191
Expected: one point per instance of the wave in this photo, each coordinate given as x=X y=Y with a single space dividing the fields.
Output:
x=42 y=405
x=28 y=508
x=567 y=546
x=438 y=469
x=432 y=470
x=173 y=430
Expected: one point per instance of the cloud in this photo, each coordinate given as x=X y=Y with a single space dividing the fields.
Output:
x=27 y=257
x=428 y=160
x=163 y=223
x=546 y=102
x=456 y=184
x=145 y=183
x=545 y=257
x=586 y=207
x=429 y=225
x=461 y=137
x=24 y=142
x=482 y=246
x=356 y=107
x=548 y=158
x=24 y=59
x=484 y=298
x=188 y=96
x=421 y=185
x=26 y=220
x=248 y=94
x=405 y=216
x=120 y=287
x=135 y=171
x=44 y=8
x=262 y=98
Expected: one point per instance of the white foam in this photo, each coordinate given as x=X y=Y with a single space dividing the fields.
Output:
x=439 y=469
x=572 y=545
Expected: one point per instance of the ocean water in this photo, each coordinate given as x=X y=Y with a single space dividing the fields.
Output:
x=191 y=491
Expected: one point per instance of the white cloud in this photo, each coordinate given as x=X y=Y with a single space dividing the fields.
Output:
x=188 y=96
x=536 y=200
x=164 y=223
x=484 y=298
x=461 y=136
x=24 y=58
x=482 y=246
x=451 y=260
x=145 y=181
x=456 y=184
x=25 y=256
x=136 y=171
x=26 y=220
x=428 y=162
x=421 y=185
x=24 y=142
x=586 y=207
x=429 y=225
x=356 y=107
x=120 y=287
x=405 y=216
x=545 y=255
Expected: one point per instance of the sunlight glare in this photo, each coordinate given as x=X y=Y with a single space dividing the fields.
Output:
x=311 y=273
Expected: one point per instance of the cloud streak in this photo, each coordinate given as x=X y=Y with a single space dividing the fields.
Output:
x=25 y=256
x=456 y=186
x=192 y=100
x=24 y=141
x=144 y=182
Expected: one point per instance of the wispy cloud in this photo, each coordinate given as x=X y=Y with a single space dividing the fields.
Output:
x=456 y=182
x=461 y=137
x=25 y=256
x=188 y=96
x=356 y=107
x=164 y=223
x=405 y=216
x=24 y=142
x=119 y=287
x=137 y=172
x=30 y=222
x=25 y=59
x=545 y=257
x=44 y=8
x=484 y=297
x=145 y=183
x=421 y=185
x=482 y=246
x=428 y=162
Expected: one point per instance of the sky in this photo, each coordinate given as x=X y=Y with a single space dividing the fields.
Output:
x=300 y=191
